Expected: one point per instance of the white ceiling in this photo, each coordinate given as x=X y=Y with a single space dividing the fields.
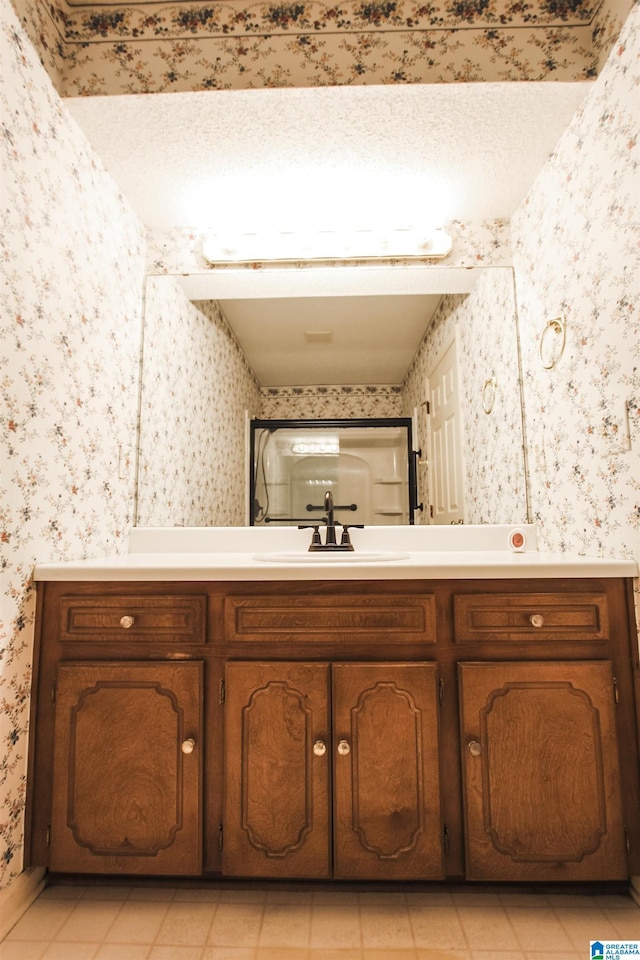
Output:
x=245 y=159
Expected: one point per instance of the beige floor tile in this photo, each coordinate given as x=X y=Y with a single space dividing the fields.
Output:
x=388 y=953
x=164 y=894
x=286 y=925
x=236 y=925
x=340 y=897
x=233 y=895
x=429 y=899
x=228 y=953
x=43 y=920
x=539 y=928
x=330 y=954
x=335 y=927
x=137 y=922
x=443 y=954
x=197 y=895
x=626 y=923
x=22 y=949
x=585 y=925
x=174 y=952
x=70 y=951
x=62 y=891
x=487 y=927
x=123 y=951
x=616 y=902
x=523 y=900
x=384 y=897
x=289 y=896
x=438 y=927
x=186 y=923
x=498 y=955
x=107 y=893
x=89 y=921
x=282 y=953
x=555 y=955
x=386 y=929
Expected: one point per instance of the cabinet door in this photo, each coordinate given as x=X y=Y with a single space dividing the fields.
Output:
x=387 y=822
x=276 y=821
x=126 y=782
x=540 y=763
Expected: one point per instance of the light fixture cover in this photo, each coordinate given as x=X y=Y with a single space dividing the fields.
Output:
x=283 y=247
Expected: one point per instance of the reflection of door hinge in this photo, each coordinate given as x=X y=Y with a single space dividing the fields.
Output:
x=616 y=695
x=441 y=691
x=445 y=838
x=428 y=407
x=221 y=692
x=48 y=835
x=53 y=692
x=220 y=836
x=431 y=510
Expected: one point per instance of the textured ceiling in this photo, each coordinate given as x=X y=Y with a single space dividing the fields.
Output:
x=431 y=153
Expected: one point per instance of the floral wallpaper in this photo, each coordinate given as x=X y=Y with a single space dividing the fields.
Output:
x=311 y=403
x=577 y=255
x=484 y=325
x=73 y=260
x=196 y=387
x=104 y=48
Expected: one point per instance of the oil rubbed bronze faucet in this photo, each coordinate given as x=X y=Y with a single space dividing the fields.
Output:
x=330 y=542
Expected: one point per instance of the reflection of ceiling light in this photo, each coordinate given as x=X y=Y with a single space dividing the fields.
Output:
x=325 y=446
x=410 y=242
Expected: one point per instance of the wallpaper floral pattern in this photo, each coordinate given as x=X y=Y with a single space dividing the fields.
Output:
x=577 y=255
x=73 y=258
x=484 y=325
x=97 y=48
x=325 y=402
x=196 y=387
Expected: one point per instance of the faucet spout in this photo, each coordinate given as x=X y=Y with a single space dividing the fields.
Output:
x=330 y=538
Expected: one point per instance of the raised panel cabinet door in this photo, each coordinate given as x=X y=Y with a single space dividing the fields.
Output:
x=541 y=772
x=277 y=758
x=387 y=820
x=127 y=768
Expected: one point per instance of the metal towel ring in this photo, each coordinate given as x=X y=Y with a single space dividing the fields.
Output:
x=557 y=325
x=489 y=394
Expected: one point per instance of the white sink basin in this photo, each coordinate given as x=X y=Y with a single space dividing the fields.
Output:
x=320 y=556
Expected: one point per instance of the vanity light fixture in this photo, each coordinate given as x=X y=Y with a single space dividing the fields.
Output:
x=325 y=245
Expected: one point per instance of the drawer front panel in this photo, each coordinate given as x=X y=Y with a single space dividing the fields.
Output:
x=166 y=619
x=366 y=618
x=533 y=616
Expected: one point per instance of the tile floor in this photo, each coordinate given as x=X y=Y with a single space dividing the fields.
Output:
x=261 y=922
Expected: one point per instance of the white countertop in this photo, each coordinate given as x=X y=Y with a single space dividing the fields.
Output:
x=381 y=553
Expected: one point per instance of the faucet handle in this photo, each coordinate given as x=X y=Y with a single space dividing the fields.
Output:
x=345 y=539
x=316 y=540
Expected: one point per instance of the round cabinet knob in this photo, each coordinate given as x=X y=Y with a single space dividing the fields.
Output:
x=188 y=746
x=127 y=622
x=536 y=620
x=343 y=748
x=475 y=748
x=319 y=748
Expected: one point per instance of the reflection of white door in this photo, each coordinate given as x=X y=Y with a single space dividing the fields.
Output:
x=446 y=464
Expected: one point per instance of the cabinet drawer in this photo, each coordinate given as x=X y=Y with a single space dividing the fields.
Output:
x=166 y=619
x=365 y=618
x=531 y=616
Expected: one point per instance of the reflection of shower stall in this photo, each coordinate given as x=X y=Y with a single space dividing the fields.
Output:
x=366 y=464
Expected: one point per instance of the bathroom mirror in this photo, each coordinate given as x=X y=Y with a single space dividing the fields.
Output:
x=198 y=392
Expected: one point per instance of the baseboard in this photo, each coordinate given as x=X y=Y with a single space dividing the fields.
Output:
x=19 y=895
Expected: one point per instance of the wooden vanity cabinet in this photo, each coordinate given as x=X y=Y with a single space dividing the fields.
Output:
x=332 y=769
x=383 y=730
x=126 y=769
